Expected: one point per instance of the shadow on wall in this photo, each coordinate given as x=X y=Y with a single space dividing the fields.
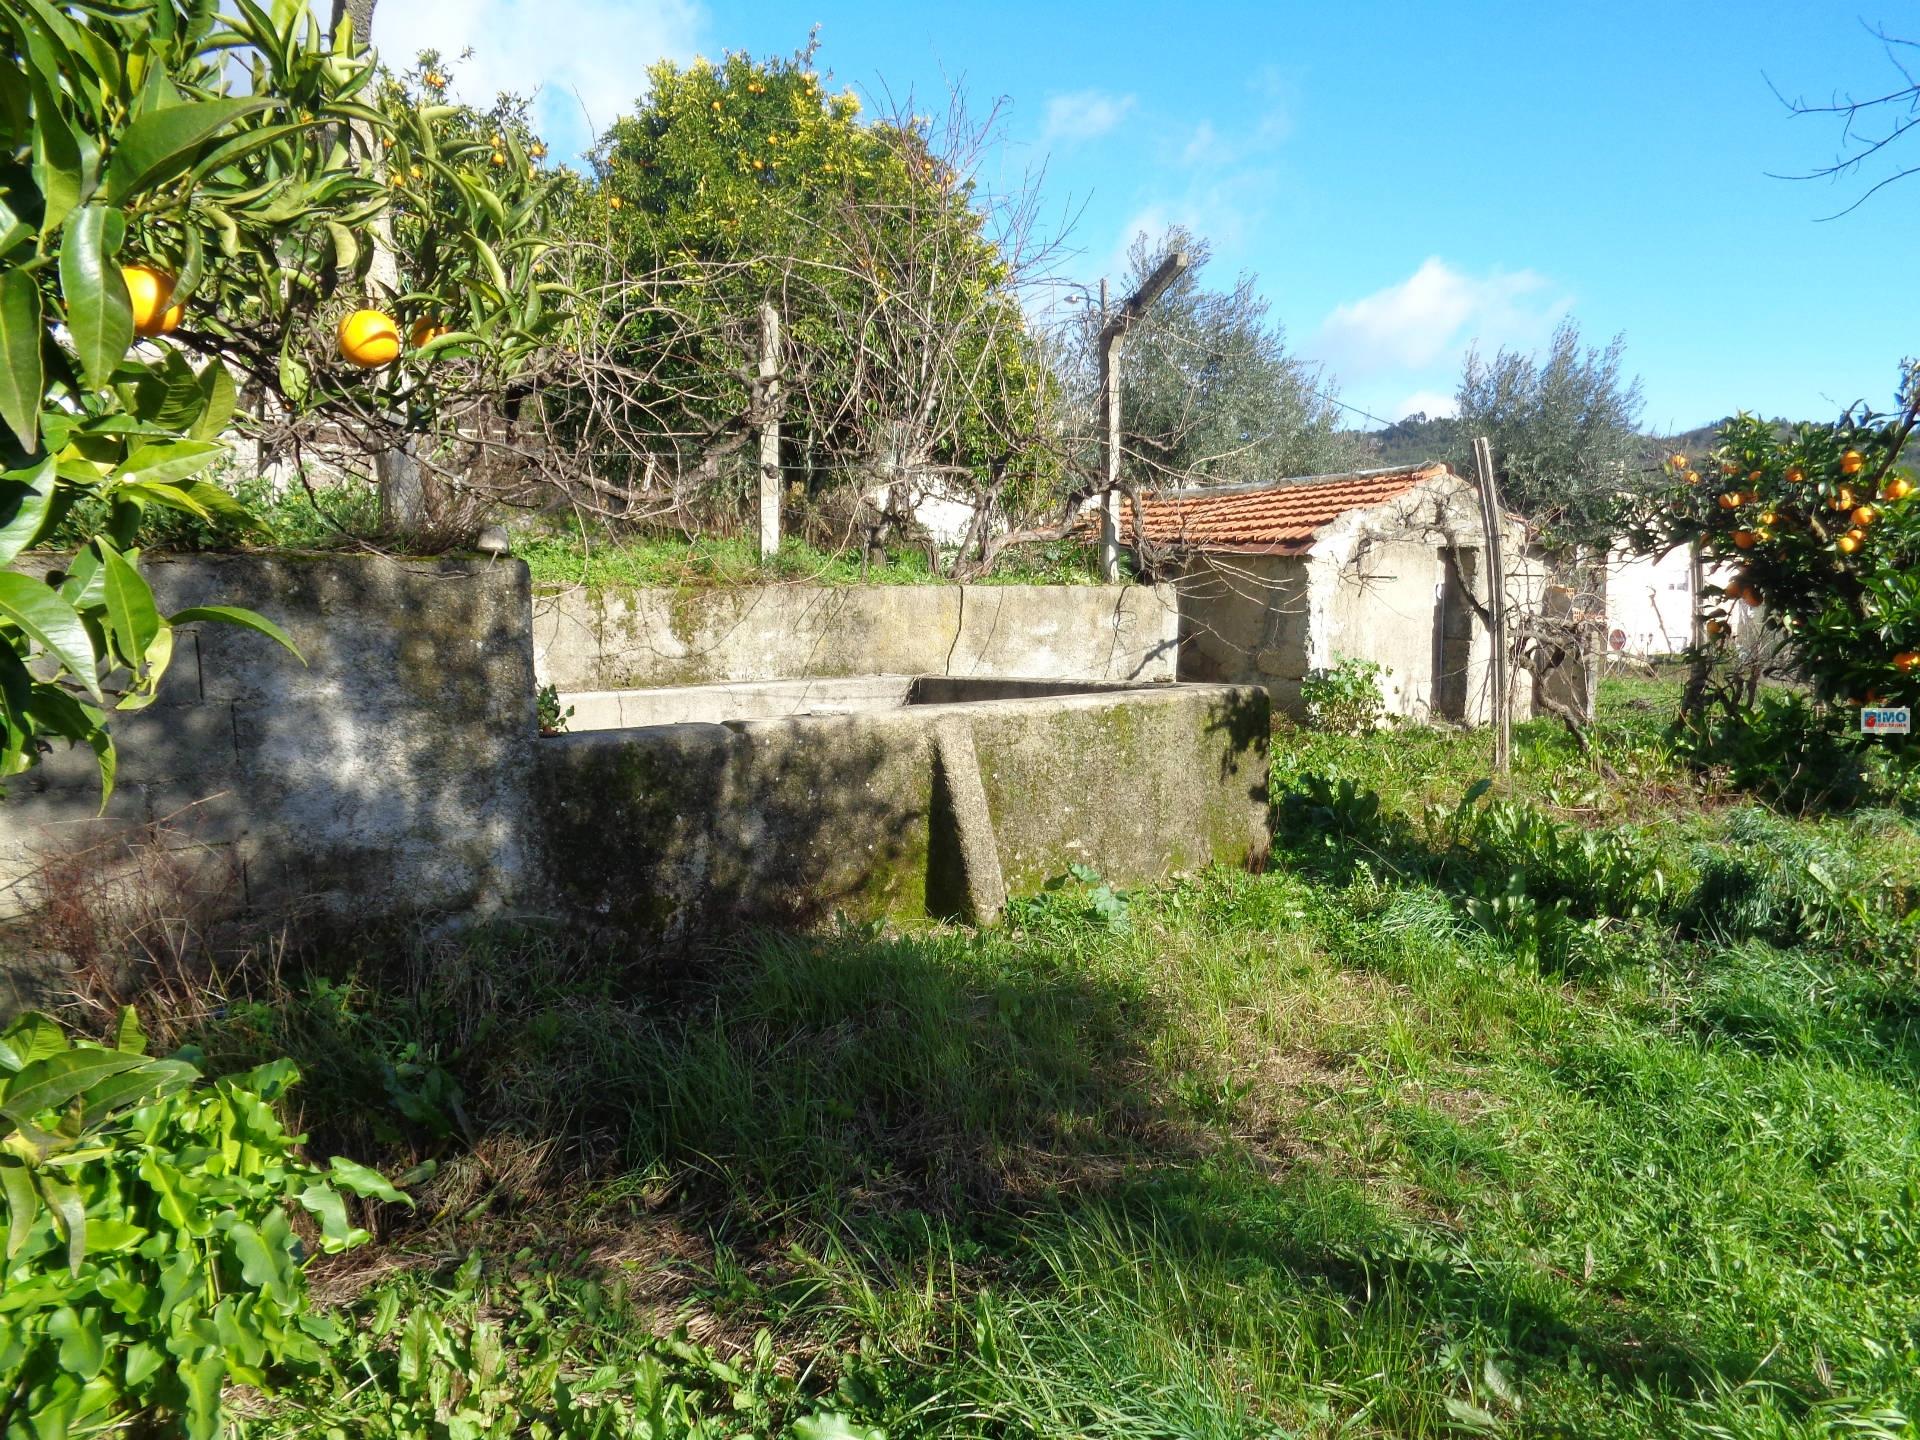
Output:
x=383 y=773
x=679 y=830
x=672 y=831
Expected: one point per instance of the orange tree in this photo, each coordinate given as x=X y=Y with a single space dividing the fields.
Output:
x=184 y=200
x=896 y=281
x=1824 y=527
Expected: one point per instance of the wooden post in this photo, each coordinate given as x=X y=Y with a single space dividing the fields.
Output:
x=1496 y=606
x=1113 y=334
x=769 y=415
x=1696 y=591
x=1110 y=343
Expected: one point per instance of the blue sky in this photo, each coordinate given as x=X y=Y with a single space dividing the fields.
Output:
x=1405 y=179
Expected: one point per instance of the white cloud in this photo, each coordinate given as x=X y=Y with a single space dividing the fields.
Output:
x=1204 y=147
x=1431 y=403
x=1083 y=115
x=1436 y=310
x=584 y=61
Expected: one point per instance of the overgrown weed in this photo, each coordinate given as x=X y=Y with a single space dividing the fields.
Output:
x=1345 y=1148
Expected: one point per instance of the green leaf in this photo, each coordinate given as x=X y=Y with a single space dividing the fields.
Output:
x=162 y=143
x=218 y=395
x=63 y=162
x=51 y=623
x=203 y=1378
x=23 y=1203
x=22 y=364
x=133 y=1088
x=132 y=617
x=82 y=1350
x=168 y=395
x=99 y=311
x=491 y=261
x=50 y=1083
x=26 y=501
x=833 y=1426
x=32 y=1037
x=351 y=1175
x=346 y=249
x=234 y=615
x=327 y=1206
x=128 y=1033
x=1470 y=1415
x=260 y=1265
x=168 y=460
x=70 y=1217
x=59 y=713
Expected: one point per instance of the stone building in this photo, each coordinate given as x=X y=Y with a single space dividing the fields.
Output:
x=1276 y=580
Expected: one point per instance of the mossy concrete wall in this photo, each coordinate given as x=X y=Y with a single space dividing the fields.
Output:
x=678 y=830
x=387 y=774
x=644 y=638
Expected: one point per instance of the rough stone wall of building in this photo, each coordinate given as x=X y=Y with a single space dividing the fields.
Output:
x=645 y=638
x=387 y=774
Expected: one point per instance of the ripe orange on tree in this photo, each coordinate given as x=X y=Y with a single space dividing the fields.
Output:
x=1907 y=661
x=369 y=339
x=1851 y=462
x=1745 y=539
x=151 y=292
x=1898 y=488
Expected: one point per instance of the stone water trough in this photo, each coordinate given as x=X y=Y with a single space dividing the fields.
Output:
x=673 y=812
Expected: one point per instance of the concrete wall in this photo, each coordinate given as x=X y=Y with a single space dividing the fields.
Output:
x=398 y=771
x=675 y=830
x=648 y=638
x=388 y=773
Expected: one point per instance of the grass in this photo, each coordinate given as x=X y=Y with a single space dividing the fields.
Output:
x=566 y=559
x=337 y=515
x=1383 y=1142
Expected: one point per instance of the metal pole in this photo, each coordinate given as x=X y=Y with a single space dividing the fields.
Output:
x=1496 y=606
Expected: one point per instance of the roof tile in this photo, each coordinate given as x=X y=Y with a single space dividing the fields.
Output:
x=1277 y=519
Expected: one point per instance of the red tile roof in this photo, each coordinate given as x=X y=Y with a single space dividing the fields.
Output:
x=1277 y=519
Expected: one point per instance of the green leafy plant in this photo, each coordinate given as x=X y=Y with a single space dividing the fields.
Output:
x=1344 y=698
x=1080 y=899
x=553 y=718
x=151 y=1256
x=502 y=1353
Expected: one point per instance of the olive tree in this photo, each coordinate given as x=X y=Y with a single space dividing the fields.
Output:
x=1564 y=432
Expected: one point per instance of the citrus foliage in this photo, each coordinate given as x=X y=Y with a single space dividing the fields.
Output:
x=749 y=182
x=193 y=182
x=150 y=1256
x=1825 y=529
x=467 y=215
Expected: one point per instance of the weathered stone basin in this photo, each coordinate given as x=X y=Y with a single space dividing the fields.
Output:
x=672 y=812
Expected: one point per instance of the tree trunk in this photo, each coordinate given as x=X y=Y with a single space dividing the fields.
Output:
x=358 y=11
